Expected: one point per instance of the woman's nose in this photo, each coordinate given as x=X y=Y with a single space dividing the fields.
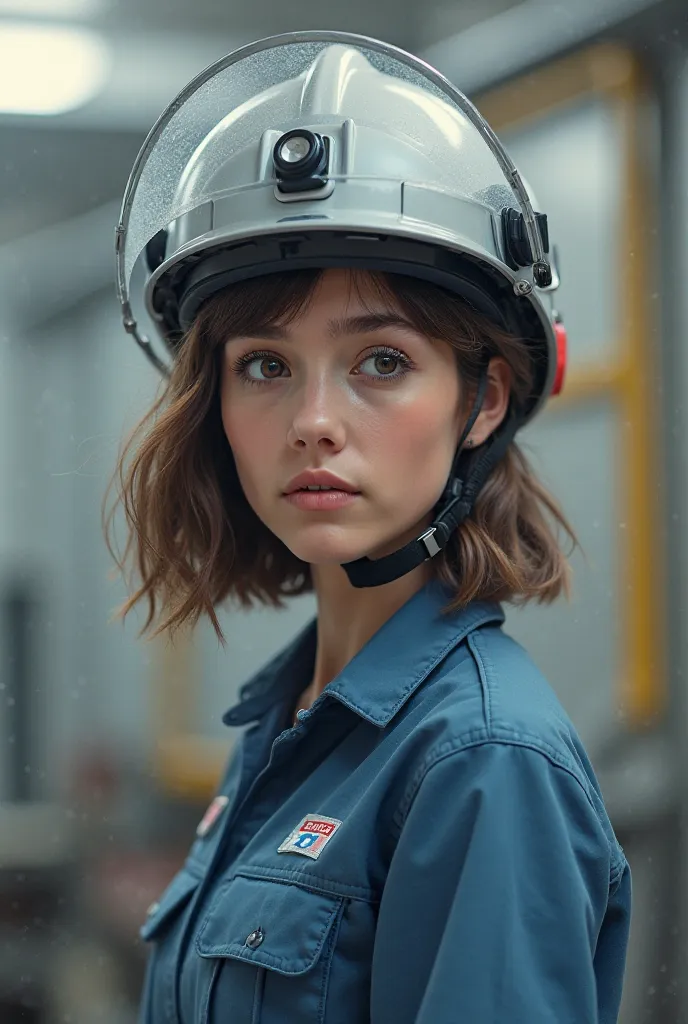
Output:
x=317 y=414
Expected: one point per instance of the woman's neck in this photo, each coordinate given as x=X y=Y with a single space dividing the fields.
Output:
x=349 y=616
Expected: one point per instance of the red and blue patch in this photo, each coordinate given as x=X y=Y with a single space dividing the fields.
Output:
x=310 y=836
x=212 y=816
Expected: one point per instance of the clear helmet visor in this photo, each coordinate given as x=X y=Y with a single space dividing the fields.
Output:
x=314 y=79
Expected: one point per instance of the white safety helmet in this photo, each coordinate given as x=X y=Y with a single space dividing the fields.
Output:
x=326 y=149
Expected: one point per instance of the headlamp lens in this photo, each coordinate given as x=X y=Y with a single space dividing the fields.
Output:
x=295 y=149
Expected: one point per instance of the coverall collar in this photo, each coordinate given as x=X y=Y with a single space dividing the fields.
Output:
x=387 y=670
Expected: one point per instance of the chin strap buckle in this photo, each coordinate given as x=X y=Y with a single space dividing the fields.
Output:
x=428 y=539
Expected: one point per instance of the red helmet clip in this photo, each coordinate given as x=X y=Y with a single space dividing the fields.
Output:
x=562 y=353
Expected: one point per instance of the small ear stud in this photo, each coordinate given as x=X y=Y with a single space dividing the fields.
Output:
x=469 y=442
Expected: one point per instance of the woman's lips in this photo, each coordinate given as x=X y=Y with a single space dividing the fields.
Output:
x=321 y=501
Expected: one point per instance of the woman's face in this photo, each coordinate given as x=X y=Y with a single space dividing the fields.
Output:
x=359 y=394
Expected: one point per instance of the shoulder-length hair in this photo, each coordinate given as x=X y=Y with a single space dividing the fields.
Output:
x=195 y=540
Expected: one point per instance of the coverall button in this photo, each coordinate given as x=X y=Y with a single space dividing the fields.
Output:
x=153 y=909
x=255 y=938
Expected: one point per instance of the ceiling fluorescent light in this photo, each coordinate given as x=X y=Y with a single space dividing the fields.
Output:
x=47 y=70
x=52 y=8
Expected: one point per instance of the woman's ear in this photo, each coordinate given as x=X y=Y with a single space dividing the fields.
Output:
x=495 y=403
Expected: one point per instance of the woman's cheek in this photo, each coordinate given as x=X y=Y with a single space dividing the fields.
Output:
x=246 y=433
x=419 y=431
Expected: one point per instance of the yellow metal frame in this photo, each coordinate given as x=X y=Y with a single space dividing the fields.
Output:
x=189 y=765
x=613 y=73
x=186 y=764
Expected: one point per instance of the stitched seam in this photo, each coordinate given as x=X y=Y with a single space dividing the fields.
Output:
x=211 y=989
x=326 y=961
x=482 y=674
x=486 y=617
x=486 y=671
x=263 y=958
x=534 y=744
x=283 y=876
x=258 y=991
x=481 y=737
x=458 y=639
x=168 y=998
x=463 y=743
x=616 y=875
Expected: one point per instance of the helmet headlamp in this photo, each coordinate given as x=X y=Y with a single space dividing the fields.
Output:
x=301 y=160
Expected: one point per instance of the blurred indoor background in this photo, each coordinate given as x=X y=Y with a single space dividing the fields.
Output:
x=110 y=746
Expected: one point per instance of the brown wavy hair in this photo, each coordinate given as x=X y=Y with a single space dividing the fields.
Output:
x=196 y=542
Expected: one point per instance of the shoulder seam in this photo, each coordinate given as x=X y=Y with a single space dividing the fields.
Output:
x=482 y=675
x=484 y=667
x=618 y=869
x=479 y=738
x=485 y=670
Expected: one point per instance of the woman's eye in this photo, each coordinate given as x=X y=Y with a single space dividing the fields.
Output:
x=258 y=368
x=269 y=368
x=262 y=367
x=385 y=364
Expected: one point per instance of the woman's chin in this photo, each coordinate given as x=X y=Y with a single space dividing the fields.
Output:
x=333 y=550
x=327 y=544
x=330 y=555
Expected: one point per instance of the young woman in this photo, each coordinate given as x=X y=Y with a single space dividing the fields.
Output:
x=355 y=293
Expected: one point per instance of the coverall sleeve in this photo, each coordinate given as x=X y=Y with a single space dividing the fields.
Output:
x=496 y=897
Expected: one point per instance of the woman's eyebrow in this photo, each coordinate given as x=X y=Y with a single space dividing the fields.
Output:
x=363 y=324
x=368 y=322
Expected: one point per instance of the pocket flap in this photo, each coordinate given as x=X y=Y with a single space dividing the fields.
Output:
x=172 y=900
x=286 y=924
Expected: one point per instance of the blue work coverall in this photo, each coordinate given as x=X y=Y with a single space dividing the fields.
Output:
x=428 y=845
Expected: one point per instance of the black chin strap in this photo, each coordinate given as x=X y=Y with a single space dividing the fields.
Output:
x=463 y=486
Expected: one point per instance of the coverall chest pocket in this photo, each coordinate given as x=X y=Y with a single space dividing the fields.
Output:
x=165 y=911
x=272 y=943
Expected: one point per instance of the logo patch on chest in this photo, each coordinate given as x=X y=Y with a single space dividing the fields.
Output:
x=212 y=816
x=310 y=836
